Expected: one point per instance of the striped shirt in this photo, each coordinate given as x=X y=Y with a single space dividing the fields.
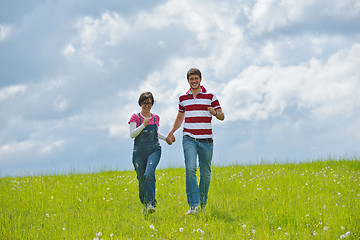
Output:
x=197 y=117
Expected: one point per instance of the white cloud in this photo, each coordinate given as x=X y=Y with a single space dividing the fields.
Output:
x=11 y=91
x=68 y=50
x=324 y=90
x=268 y=15
x=5 y=32
x=9 y=151
x=60 y=104
x=95 y=34
x=47 y=149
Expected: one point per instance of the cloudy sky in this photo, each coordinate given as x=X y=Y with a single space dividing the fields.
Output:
x=286 y=74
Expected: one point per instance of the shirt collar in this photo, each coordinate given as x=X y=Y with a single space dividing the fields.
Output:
x=203 y=90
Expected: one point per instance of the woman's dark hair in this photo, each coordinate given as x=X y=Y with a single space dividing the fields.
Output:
x=193 y=71
x=144 y=96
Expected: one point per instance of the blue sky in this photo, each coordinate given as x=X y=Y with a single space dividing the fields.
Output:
x=286 y=74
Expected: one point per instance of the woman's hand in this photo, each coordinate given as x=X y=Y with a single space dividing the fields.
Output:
x=146 y=120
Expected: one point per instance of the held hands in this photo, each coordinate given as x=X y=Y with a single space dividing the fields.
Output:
x=170 y=139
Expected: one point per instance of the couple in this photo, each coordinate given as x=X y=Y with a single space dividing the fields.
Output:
x=197 y=107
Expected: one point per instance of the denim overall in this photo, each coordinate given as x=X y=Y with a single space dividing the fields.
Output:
x=146 y=156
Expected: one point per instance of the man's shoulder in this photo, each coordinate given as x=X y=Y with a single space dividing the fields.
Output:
x=185 y=97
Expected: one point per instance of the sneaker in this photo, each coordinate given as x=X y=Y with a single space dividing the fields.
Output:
x=150 y=208
x=193 y=210
x=144 y=211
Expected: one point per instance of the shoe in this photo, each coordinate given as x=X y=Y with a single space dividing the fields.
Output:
x=193 y=210
x=150 y=208
x=144 y=211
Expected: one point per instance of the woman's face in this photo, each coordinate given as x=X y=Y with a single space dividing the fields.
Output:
x=146 y=105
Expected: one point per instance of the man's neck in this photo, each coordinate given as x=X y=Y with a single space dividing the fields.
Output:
x=195 y=91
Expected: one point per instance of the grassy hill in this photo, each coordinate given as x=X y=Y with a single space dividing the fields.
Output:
x=314 y=200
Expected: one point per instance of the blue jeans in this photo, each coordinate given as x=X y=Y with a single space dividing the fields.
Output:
x=197 y=194
x=145 y=161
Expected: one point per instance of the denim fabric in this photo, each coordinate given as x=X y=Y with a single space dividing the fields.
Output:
x=197 y=194
x=146 y=157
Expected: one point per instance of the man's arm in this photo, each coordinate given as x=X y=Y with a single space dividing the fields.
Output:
x=218 y=113
x=177 y=124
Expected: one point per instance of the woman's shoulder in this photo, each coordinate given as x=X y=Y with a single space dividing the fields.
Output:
x=134 y=117
x=156 y=116
x=135 y=114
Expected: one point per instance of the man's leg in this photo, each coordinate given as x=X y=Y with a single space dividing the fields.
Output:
x=205 y=158
x=190 y=154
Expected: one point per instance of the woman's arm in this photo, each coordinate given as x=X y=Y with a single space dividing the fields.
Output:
x=161 y=136
x=134 y=131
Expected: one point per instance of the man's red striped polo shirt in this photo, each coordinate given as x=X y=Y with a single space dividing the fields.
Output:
x=197 y=117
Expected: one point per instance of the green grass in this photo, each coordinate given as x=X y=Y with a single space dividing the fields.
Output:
x=315 y=200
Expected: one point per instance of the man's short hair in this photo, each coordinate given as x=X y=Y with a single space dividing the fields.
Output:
x=193 y=71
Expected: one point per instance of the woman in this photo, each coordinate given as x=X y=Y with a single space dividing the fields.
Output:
x=147 y=150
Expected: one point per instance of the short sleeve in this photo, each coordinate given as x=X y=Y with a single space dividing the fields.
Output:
x=181 y=107
x=215 y=103
x=134 y=118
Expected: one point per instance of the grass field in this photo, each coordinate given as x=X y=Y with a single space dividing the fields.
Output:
x=314 y=200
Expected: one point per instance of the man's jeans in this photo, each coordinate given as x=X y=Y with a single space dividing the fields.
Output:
x=197 y=194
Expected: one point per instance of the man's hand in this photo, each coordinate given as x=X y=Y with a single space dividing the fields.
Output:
x=212 y=111
x=217 y=113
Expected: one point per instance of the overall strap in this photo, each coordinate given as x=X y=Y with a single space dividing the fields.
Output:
x=139 y=118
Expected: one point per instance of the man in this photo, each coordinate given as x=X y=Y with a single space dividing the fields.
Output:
x=197 y=107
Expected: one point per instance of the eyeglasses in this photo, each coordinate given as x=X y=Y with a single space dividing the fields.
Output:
x=147 y=103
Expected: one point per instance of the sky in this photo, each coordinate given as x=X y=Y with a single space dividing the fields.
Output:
x=286 y=74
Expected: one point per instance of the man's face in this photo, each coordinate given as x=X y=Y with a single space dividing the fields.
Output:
x=194 y=81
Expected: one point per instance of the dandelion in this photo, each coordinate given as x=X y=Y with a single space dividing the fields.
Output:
x=181 y=229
